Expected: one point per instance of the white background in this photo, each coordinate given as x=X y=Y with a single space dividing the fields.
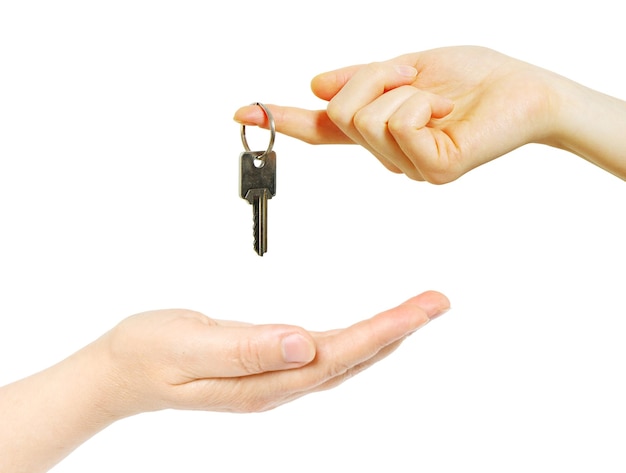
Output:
x=119 y=194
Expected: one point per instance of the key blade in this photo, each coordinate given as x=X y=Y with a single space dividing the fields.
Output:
x=258 y=198
x=260 y=223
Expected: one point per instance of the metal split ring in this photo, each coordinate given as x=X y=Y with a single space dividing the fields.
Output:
x=270 y=119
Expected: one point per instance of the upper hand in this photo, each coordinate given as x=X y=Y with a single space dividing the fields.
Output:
x=432 y=115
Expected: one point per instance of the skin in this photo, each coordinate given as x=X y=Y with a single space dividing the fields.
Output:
x=435 y=115
x=182 y=359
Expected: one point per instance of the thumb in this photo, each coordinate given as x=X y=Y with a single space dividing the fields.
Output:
x=327 y=84
x=234 y=351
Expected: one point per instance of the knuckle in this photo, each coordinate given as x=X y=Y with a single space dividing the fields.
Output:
x=437 y=173
x=415 y=175
x=398 y=128
x=443 y=170
x=336 y=367
x=338 y=115
x=376 y=69
x=437 y=178
x=248 y=356
x=363 y=120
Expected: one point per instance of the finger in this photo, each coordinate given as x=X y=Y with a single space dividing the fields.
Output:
x=433 y=303
x=364 y=339
x=343 y=354
x=232 y=323
x=234 y=351
x=367 y=84
x=264 y=391
x=359 y=368
x=337 y=380
x=310 y=126
x=428 y=147
x=342 y=351
x=371 y=123
x=327 y=84
x=404 y=107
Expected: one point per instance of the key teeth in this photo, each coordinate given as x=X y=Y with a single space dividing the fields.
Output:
x=255 y=237
x=258 y=226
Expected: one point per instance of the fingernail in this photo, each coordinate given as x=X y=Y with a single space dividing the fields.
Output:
x=297 y=349
x=439 y=313
x=406 y=71
x=249 y=116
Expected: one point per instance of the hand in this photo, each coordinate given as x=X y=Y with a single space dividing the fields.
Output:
x=437 y=114
x=183 y=359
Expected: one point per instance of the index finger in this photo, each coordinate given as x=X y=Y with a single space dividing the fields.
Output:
x=310 y=126
x=338 y=352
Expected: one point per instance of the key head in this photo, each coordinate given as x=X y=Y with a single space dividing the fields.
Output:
x=256 y=173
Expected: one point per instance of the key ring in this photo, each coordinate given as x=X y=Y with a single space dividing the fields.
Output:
x=270 y=118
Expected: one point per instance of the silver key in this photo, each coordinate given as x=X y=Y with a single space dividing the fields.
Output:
x=257 y=181
x=257 y=186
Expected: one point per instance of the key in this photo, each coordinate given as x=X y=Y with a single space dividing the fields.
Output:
x=257 y=181
x=257 y=186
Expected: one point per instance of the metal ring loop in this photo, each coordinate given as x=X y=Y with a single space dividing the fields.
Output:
x=270 y=118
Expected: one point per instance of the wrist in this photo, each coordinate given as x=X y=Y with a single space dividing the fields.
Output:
x=120 y=378
x=108 y=390
x=589 y=124
x=570 y=102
